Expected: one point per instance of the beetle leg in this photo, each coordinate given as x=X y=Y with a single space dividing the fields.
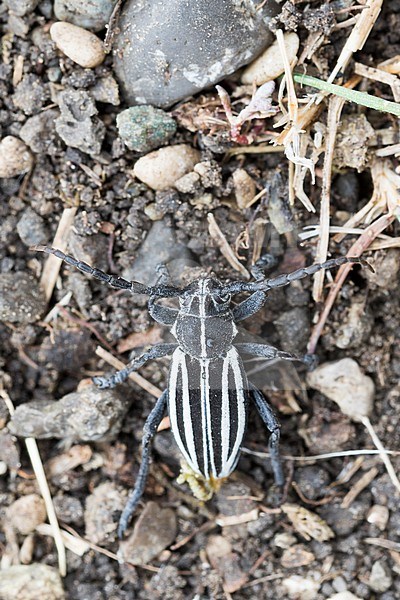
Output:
x=272 y=423
x=249 y=307
x=149 y=430
x=270 y=352
x=135 y=364
x=264 y=263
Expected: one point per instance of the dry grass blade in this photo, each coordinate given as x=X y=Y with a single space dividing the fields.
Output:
x=385 y=459
x=359 y=486
x=358 y=36
x=334 y=112
x=38 y=469
x=326 y=456
x=53 y=264
x=363 y=242
x=138 y=379
x=225 y=248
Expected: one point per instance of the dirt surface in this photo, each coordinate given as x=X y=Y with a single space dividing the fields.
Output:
x=241 y=543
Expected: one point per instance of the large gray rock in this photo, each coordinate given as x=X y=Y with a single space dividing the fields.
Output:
x=166 y=51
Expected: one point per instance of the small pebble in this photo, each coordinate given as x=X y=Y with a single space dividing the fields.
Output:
x=31 y=228
x=30 y=582
x=78 y=125
x=39 y=133
x=144 y=128
x=354 y=328
x=26 y=513
x=284 y=540
x=15 y=157
x=100 y=512
x=189 y=183
x=159 y=246
x=343 y=382
x=154 y=531
x=106 y=90
x=31 y=94
x=21 y=299
x=245 y=188
x=162 y=168
x=270 y=65
x=22 y=7
x=81 y=46
x=226 y=563
x=380 y=579
x=387 y=267
x=301 y=588
x=344 y=596
x=351 y=147
x=296 y=556
x=293 y=327
x=88 y=415
x=379 y=516
x=93 y=15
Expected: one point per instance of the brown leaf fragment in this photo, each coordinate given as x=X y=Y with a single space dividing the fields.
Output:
x=308 y=524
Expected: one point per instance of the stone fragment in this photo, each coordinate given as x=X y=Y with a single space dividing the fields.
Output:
x=39 y=133
x=162 y=168
x=164 y=55
x=93 y=15
x=31 y=228
x=31 y=94
x=81 y=46
x=154 y=531
x=380 y=579
x=101 y=506
x=26 y=513
x=15 y=158
x=343 y=382
x=30 y=582
x=269 y=65
x=378 y=515
x=159 y=246
x=21 y=7
x=21 y=299
x=78 y=126
x=144 y=128
x=88 y=415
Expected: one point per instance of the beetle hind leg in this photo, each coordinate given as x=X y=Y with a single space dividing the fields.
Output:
x=272 y=423
x=149 y=430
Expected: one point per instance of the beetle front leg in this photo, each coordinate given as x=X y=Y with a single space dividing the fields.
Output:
x=272 y=423
x=155 y=352
x=270 y=352
x=149 y=430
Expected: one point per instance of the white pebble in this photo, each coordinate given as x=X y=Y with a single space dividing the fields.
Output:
x=378 y=515
x=162 y=168
x=269 y=65
x=80 y=45
x=245 y=188
x=15 y=157
x=344 y=596
x=343 y=382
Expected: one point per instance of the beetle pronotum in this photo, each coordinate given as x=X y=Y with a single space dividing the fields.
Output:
x=208 y=392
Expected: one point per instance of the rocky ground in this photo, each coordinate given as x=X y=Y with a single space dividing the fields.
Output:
x=73 y=161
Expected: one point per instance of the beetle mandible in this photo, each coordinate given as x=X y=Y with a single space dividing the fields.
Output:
x=208 y=393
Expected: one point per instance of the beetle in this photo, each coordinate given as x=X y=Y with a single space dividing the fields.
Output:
x=208 y=393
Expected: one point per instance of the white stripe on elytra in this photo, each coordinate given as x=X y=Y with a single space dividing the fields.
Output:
x=178 y=362
x=225 y=415
x=232 y=356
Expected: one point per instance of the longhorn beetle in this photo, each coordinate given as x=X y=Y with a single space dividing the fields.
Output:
x=208 y=392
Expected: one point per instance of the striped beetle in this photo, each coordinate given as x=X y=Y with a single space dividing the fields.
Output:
x=208 y=393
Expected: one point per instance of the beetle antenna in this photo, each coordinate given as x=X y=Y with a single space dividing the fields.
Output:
x=118 y=283
x=268 y=284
